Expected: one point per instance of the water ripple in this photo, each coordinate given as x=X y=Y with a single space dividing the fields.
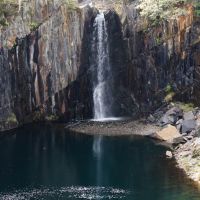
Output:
x=73 y=192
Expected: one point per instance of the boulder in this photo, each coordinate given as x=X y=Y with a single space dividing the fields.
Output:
x=175 y=111
x=179 y=124
x=168 y=134
x=188 y=126
x=172 y=116
x=188 y=116
x=168 y=119
x=169 y=154
x=180 y=121
x=198 y=122
x=179 y=140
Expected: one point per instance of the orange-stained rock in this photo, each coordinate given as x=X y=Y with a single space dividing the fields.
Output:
x=168 y=134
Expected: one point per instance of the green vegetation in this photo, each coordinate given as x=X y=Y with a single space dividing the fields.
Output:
x=8 y=9
x=71 y=4
x=11 y=119
x=197 y=9
x=186 y=107
x=34 y=25
x=169 y=93
x=3 y=22
x=163 y=8
x=37 y=116
x=51 y=118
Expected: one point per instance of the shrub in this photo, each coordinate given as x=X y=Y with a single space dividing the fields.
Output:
x=163 y=8
x=169 y=93
x=71 y=4
x=12 y=119
x=34 y=25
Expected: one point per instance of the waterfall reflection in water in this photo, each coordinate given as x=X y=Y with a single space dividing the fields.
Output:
x=46 y=162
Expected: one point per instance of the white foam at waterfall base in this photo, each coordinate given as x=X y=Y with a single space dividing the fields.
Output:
x=109 y=119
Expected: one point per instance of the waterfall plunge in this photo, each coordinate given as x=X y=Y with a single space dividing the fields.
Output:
x=102 y=94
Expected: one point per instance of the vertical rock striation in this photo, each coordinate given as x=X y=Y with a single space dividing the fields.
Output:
x=42 y=74
x=161 y=55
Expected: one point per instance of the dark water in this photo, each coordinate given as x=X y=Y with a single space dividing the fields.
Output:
x=45 y=162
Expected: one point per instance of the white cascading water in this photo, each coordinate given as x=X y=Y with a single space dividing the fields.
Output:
x=102 y=94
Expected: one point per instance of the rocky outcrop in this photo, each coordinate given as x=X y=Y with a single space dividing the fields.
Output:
x=179 y=123
x=188 y=158
x=161 y=53
x=42 y=74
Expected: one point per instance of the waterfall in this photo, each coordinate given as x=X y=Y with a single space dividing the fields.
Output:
x=102 y=87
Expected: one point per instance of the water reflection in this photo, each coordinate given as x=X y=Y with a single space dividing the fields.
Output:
x=47 y=158
x=98 y=151
x=97 y=146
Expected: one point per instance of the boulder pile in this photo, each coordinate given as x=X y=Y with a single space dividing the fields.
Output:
x=181 y=129
x=176 y=125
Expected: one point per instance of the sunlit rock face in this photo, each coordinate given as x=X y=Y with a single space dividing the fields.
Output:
x=159 y=55
x=42 y=74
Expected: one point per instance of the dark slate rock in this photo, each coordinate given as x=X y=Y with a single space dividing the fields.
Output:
x=172 y=116
x=189 y=116
x=188 y=126
x=179 y=140
x=175 y=111
x=151 y=119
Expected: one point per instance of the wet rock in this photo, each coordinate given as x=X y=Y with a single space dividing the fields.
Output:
x=188 y=126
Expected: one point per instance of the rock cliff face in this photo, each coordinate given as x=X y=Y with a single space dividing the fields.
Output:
x=45 y=62
x=42 y=74
x=161 y=55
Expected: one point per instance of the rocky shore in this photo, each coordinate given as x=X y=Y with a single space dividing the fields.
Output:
x=181 y=129
x=176 y=125
x=188 y=158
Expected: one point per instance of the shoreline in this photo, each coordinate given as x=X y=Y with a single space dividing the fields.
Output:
x=114 y=128
x=187 y=157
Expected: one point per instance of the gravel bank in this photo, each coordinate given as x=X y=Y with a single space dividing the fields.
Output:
x=114 y=128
